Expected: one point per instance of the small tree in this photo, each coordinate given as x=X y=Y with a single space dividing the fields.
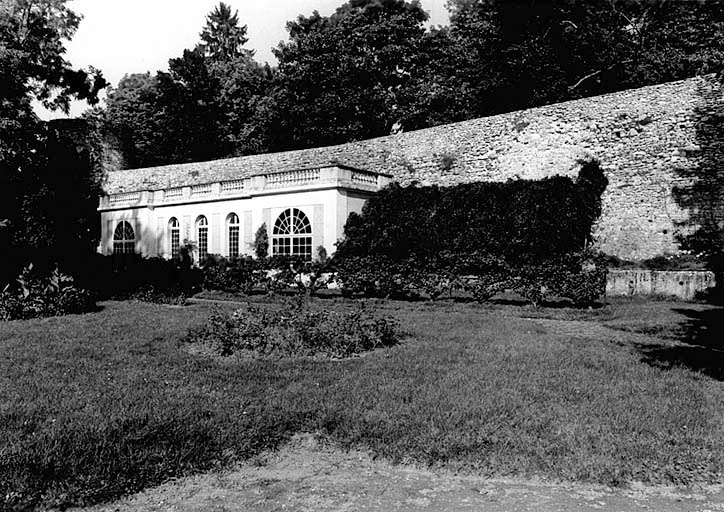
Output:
x=261 y=242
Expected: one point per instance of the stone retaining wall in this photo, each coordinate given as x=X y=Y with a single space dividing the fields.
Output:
x=682 y=284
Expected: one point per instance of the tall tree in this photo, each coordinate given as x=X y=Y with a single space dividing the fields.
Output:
x=515 y=54
x=134 y=113
x=343 y=77
x=200 y=108
x=32 y=66
x=222 y=37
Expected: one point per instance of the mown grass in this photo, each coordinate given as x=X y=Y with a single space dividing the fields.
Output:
x=100 y=405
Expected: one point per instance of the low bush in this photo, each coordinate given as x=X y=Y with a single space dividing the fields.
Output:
x=129 y=276
x=39 y=296
x=295 y=331
x=375 y=276
x=169 y=296
x=230 y=275
x=269 y=275
x=581 y=278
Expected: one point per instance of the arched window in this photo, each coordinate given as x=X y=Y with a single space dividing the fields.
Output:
x=202 y=237
x=174 y=226
x=292 y=234
x=232 y=228
x=124 y=239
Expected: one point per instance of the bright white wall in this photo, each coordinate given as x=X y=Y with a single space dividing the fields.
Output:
x=327 y=210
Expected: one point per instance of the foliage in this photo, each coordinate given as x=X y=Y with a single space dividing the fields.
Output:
x=521 y=221
x=372 y=67
x=200 y=109
x=270 y=274
x=37 y=173
x=581 y=278
x=700 y=191
x=133 y=276
x=343 y=77
x=223 y=38
x=33 y=35
x=36 y=296
x=295 y=330
x=234 y=275
x=261 y=242
x=663 y=262
x=545 y=52
x=528 y=236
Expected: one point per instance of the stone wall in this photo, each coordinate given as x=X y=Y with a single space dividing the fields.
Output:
x=650 y=142
x=684 y=284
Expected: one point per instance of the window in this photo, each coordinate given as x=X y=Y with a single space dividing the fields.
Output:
x=202 y=237
x=292 y=235
x=124 y=239
x=232 y=227
x=175 y=228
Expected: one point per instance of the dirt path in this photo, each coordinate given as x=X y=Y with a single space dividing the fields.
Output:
x=307 y=476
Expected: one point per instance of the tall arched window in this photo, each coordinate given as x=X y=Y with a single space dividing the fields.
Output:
x=232 y=228
x=174 y=226
x=124 y=239
x=202 y=237
x=292 y=234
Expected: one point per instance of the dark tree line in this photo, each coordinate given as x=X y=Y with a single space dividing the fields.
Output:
x=372 y=67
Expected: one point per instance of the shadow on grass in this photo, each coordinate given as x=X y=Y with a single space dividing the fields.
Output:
x=700 y=344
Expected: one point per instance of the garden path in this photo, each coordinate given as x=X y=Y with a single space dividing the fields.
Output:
x=308 y=476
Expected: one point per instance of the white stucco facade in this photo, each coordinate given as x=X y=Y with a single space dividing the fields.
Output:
x=322 y=197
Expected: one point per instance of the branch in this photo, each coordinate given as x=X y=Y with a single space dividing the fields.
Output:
x=591 y=75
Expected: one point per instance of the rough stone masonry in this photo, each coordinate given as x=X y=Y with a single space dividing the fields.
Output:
x=656 y=145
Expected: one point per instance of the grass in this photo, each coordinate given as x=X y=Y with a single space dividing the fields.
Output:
x=100 y=405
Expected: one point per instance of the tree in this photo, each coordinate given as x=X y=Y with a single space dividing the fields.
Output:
x=32 y=35
x=223 y=38
x=133 y=112
x=197 y=110
x=519 y=54
x=343 y=77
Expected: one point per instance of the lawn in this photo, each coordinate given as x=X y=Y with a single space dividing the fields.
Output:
x=104 y=404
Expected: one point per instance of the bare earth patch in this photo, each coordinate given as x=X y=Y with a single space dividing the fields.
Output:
x=309 y=476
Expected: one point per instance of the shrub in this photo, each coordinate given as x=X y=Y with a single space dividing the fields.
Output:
x=170 y=296
x=374 y=276
x=529 y=236
x=37 y=296
x=133 y=276
x=233 y=275
x=261 y=242
x=271 y=275
x=522 y=222
x=295 y=331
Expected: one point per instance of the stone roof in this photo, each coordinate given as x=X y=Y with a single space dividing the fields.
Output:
x=352 y=155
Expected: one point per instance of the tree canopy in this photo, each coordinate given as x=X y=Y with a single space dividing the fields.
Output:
x=200 y=108
x=32 y=183
x=372 y=67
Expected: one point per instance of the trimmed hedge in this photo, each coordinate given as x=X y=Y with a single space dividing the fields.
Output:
x=526 y=236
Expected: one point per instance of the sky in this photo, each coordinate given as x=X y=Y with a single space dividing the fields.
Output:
x=135 y=36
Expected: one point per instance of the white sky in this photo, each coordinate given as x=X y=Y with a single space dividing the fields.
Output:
x=135 y=36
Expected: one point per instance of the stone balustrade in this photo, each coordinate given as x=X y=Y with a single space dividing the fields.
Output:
x=270 y=183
